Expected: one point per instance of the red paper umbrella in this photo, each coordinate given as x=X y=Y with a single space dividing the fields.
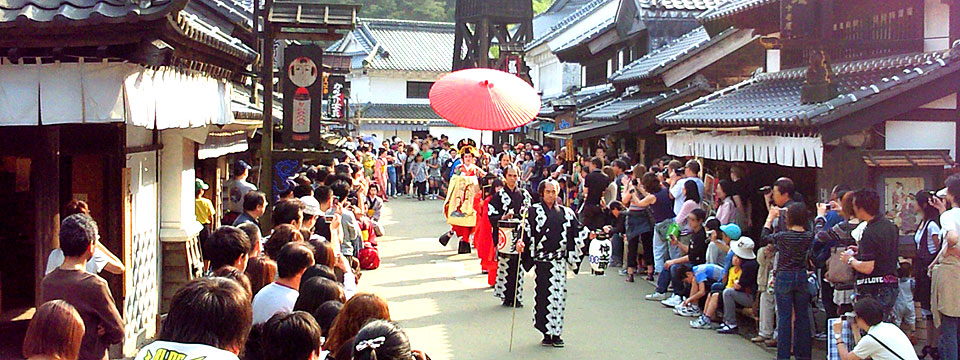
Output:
x=484 y=99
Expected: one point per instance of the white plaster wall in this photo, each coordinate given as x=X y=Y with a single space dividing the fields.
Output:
x=177 y=180
x=921 y=135
x=381 y=135
x=936 y=25
x=142 y=280
x=384 y=89
x=551 y=79
x=458 y=133
x=946 y=102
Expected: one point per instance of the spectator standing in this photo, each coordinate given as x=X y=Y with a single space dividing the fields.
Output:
x=228 y=246
x=234 y=190
x=945 y=270
x=55 y=332
x=280 y=295
x=383 y=340
x=254 y=205
x=419 y=172
x=88 y=293
x=102 y=258
x=355 y=313
x=792 y=289
x=595 y=183
x=209 y=318
x=875 y=259
x=837 y=298
x=291 y=336
x=203 y=209
x=690 y=172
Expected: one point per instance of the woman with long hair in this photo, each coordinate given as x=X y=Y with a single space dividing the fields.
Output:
x=692 y=194
x=927 y=239
x=726 y=208
x=355 y=313
x=55 y=332
x=383 y=340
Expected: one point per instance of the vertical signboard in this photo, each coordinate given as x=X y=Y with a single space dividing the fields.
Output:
x=336 y=94
x=302 y=87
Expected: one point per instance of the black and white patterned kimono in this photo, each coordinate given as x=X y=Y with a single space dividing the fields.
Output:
x=554 y=241
x=508 y=201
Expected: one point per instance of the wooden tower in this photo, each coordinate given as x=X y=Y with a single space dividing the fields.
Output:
x=482 y=24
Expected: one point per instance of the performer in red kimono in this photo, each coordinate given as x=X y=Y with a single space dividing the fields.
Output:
x=468 y=167
x=483 y=232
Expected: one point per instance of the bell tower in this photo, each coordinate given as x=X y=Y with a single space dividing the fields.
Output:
x=504 y=25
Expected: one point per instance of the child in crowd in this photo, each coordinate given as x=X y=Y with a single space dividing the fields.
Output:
x=700 y=278
x=419 y=172
x=904 y=311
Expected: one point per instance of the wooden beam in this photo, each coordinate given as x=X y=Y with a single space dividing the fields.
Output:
x=924 y=114
x=706 y=57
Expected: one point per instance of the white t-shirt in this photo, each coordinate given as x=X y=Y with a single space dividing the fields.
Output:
x=172 y=350
x=932 y=229
x=677 y=192
x=949 y=221
x=94 y=266
x=892 y=337
x=271 y=299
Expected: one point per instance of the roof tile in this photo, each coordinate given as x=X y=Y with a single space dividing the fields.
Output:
x=649 y=64
x=82 y=12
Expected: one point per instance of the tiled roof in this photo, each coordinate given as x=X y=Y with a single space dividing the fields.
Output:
x=398 y=111
x=633 y=104
x=238 y=11
x=83 y=12
x=566 y=21
x=406 y=45
x=199 y=30
x=579 y=98
x=773 y=99
x=655 y=61
x=588 y=35
x=558 y=10
x=731 y=7
x=680 y=4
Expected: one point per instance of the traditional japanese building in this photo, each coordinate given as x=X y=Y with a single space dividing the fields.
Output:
x=394 y=64
x=108 y=102
x=860 y=94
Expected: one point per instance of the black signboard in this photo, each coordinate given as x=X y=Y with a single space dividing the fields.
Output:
x=798 y=19
x=336 y=94
x=302 y=94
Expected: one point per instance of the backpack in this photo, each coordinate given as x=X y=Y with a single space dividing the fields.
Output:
x=369 y=257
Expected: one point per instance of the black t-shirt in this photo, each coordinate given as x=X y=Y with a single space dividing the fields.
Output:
x=596 y=183
x=879 y=244
x=322 y=228
x=697 y=253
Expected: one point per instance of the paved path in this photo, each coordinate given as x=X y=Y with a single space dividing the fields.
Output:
x=447 y=309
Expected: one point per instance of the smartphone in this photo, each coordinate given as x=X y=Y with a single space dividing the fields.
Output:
x=328 y=218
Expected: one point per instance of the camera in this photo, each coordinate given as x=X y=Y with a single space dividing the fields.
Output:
x=765 y=190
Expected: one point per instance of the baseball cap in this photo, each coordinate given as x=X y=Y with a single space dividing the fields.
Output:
x=311 y=206
x=942 y=193
x=732 y=231
x=202 y=185
x=240 y=166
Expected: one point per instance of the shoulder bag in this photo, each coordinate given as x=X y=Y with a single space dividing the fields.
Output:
x=886 y=347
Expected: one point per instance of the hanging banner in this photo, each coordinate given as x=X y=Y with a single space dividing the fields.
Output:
x=336 y=92
x=302 y=95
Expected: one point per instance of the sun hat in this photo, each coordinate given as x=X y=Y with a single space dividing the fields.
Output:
x=743 y=248
x=311 y=206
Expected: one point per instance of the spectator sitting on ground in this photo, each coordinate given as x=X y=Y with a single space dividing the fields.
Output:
x=374 y=203
x=700 y=278
x=209 y=318
x=228 y=246
x=293 y=336
x=696 y=253
x=326 y=314
x=355 y=313
x=739 y=288
x=718 y=252
x=311 y=213
x=884 y=341
x=316 y=291
x=384 y=340
x=282 y=234
x=280 y=295
x=88 y=293
x=54 y=332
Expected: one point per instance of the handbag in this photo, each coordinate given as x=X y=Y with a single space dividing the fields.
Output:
x=838 y=271
x=813 y=286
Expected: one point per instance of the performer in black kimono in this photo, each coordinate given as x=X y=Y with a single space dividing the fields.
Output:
x=508 y=203
x=554 y=240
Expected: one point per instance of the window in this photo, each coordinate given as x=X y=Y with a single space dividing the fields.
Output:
x=418 y=89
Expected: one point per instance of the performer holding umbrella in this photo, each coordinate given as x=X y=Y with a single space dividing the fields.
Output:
x=553 y=241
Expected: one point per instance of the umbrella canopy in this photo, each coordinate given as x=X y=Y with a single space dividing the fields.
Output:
x=484 y=99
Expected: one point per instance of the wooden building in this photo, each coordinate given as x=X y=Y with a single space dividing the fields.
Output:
x=108 y=102
x=877 y=109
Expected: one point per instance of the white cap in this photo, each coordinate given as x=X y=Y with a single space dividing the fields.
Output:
x=942 y=193
x=312 y=206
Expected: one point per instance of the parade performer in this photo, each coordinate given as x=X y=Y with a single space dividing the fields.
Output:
x=462 y=199
x=483 y=237
x=553 y=241
x=508 y=203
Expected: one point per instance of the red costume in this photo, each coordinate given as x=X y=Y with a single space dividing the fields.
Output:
x=464 y=231
x=483 y=240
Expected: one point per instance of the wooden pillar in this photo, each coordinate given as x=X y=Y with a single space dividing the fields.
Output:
x=266 y=146
x=483 y=36
x=45 y=180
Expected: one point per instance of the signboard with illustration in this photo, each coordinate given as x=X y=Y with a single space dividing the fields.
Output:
x=899 y=200
x=302 y=88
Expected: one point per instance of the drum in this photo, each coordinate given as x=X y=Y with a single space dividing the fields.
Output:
x=507 y=237
x=599 y=253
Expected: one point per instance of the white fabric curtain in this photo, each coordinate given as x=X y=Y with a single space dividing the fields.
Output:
x=74 y=93
x=19 y=94
x=800 y=151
